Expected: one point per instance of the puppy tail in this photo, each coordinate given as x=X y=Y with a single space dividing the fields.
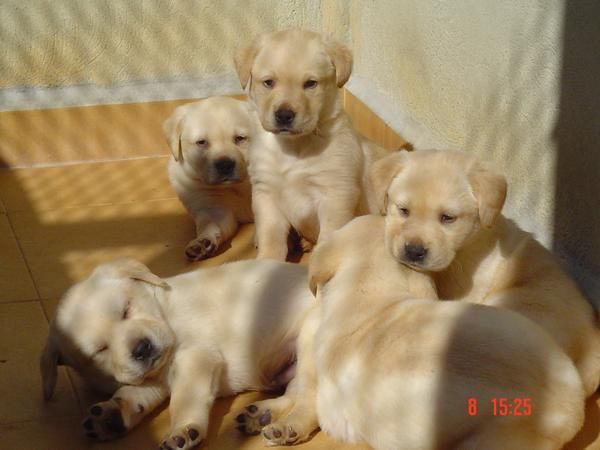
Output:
x=49 y=361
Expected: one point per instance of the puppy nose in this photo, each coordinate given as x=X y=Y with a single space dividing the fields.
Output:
x=142 y=350
x=284 y=116
x=415 y=252
x=224 y=166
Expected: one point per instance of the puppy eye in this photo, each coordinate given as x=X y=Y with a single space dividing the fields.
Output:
x=269 y=84
x=310 y=84
x=404 y=212
x=102 y=349
x=125 y=313
x=201 y=142
x=239 y=139
x=446 y=218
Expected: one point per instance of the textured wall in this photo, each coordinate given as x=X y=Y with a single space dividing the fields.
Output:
x=490 y=77
x=70 y=42
x=481 y=76
x=513 y=81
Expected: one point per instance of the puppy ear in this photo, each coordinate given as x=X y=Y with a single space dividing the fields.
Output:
x=172 y=131
x=489 y=189
x=322 y=265
x=342 y=60
x=381 y=174
x=131 y=268
x=50 y=359
x=243 y=60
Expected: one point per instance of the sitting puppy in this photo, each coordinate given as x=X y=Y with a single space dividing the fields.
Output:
x=209 y=141
x=307 y=165
x=196 y=336
x=443 y=212
x=390 y=366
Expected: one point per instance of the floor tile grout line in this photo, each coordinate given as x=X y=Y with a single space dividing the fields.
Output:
x=14 y=233
x=37 y=420
x=14 y=302
x=79 y=400
x=59 y=164
x=93 y=205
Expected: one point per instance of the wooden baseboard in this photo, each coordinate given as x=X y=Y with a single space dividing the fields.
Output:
x=46 y=137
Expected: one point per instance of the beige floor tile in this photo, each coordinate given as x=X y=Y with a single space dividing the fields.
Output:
x=23 y=331
x=62 y=246
x=61 y=434
x=65 y=434
x=88 y=133
x=15 y=281
x=114 y=182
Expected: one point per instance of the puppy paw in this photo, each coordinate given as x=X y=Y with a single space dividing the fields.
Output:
x=279 y=434
x=104 y=421
x=201 y=248
x=306 y=245
x=182 y=438
x=253 y=419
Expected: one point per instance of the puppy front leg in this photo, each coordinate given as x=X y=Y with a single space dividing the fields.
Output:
x=127 y=407
x=195 y=384
x=214 y=226
x=291 y=418
x=272 y=228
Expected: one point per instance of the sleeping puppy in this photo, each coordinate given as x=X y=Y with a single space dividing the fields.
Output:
x=193 y=337
x=443 y=216
x=209 y=141
x=307 y=165
x=391 y=366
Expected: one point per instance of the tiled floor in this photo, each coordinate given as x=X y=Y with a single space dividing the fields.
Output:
x=56 y=223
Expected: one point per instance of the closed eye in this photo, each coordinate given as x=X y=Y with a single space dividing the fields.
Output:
x=101 y=350
x=447 y=219
x=125 y=312
x=404 y=212
x=238 y=139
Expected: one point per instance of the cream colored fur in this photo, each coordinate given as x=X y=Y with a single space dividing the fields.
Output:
x=387 y=364
x=479 y=256
x=310 y=174
x=202 y=136
x=212 y=332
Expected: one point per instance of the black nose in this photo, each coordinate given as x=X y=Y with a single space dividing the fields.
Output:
x=284 y=116
x=415 y=253
x=142 y=350
x=225 y=166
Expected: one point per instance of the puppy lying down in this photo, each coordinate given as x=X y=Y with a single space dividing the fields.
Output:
x=391 y=366
x=193 y=337
x=444 y=217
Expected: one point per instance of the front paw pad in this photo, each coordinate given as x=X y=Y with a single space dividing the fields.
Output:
x=104 y=421
x=253 y=419
x=199 y=249
x=279 y=434
x=182 y=438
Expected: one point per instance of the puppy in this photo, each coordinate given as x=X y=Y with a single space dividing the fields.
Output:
x=208 y=169
x=390 y=366
x=193 y=337
x=307 y=165
x=443 y=216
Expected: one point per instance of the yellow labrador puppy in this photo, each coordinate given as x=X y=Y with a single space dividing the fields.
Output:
x=208 y=169
x=391 y=366
x=193 y=337
x=307 y=165
x=443 y=211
